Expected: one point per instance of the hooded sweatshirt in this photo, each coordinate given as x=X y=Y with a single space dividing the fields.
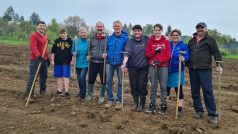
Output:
x=163 y=56
x=135 y=50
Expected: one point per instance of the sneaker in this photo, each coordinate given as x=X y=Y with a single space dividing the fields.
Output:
x=67 y=95
x=213 y=120
x=162 y=110
x=109 y=104
x=118 y=105
x=59 y=93
x=151 y=108
x=198 y=115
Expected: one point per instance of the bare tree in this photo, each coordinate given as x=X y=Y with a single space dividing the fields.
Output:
x=73 y=23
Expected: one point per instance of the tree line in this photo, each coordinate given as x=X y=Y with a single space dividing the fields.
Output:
x=14 y=26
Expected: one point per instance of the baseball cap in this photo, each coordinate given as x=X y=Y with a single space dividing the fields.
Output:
x=201 y=24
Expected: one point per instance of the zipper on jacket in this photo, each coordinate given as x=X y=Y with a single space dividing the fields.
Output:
x=171 y=58
x=98 y=47
x=114 y=52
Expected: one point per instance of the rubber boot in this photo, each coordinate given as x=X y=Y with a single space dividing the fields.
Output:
x=139 y=108
x=90 y=92
x=135 y=103
x=101 y=95
x=143 y=99
x=141 y=104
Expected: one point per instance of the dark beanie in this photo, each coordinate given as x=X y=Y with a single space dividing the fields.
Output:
x=137 y=27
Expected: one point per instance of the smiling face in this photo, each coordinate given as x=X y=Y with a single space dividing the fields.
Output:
x=157 y=32
x=41 y=28
x=137 y=33
x=175 y=37
x=201 y=31
x=63 y=35
x=117 y=28
x=83 y=33
x=99 y=28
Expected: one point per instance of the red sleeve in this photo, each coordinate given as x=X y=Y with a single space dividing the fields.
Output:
x=33 y=45
x=149 y=52
x=167 y=54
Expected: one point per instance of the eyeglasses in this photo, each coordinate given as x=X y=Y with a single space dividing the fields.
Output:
x=175 y=35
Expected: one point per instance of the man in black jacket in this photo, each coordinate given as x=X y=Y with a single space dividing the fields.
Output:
x=201 y=49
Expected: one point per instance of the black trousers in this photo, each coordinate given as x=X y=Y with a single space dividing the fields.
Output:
x=94 y=69
x=138 y=81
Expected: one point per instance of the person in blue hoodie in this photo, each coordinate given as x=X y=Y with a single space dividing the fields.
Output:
x=80 y=51
x=115 y=45
x=177 y=46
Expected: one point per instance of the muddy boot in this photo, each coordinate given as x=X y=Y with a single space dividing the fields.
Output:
x=141 y=104
x=143 y=99
x=139 y=108
x=101 y=95
x=135 y=103
x=90 y=92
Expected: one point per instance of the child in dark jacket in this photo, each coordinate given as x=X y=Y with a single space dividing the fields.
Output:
x=61 y=59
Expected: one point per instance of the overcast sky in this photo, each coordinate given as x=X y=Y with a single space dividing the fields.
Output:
x=183 y=14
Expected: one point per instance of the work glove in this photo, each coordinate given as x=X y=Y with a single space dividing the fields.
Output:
x=158 y=49
x=40 y=59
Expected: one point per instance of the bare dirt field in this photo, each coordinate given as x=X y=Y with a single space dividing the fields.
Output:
x=56 y=115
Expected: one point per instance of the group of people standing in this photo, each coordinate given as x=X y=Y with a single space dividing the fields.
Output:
x=154 y=58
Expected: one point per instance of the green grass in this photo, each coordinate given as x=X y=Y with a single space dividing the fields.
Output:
x=231 y=57
x=16 y=42
x=13 y=42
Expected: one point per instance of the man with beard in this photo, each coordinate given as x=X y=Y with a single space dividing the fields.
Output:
x=96 y=59
x=201 y=49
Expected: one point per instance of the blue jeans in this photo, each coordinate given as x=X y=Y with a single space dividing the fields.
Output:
x=202 y=78
x=81 y=76
x=110 y=73
x=43 y=75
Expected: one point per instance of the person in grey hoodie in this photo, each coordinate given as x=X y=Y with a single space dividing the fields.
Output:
x=96 y=61
x=134 y=55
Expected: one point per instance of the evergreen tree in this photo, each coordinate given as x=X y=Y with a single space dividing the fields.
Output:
x=34 y=18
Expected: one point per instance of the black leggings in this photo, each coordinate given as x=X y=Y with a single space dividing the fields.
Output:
x=176 y=90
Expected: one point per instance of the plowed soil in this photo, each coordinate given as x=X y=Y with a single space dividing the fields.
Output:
x=57 y=115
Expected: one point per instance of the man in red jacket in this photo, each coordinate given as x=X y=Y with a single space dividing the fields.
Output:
x=38 y=41
x=158 y=53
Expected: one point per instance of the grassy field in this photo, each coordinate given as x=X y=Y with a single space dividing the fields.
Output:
x=16 y=42
x=26 y=42
x=231 y=57
x=13 y=42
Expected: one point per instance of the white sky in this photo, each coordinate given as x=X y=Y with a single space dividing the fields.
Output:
x=183 y=14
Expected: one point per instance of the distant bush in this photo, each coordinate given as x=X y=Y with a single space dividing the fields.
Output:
x=224 y=52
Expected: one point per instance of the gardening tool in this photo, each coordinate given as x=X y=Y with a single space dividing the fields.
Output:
x=89 y=56
x=179 y=78
x=104 y=62
x=37 y=72
x=219 y=91
x=75 y=57
x=123 y=79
